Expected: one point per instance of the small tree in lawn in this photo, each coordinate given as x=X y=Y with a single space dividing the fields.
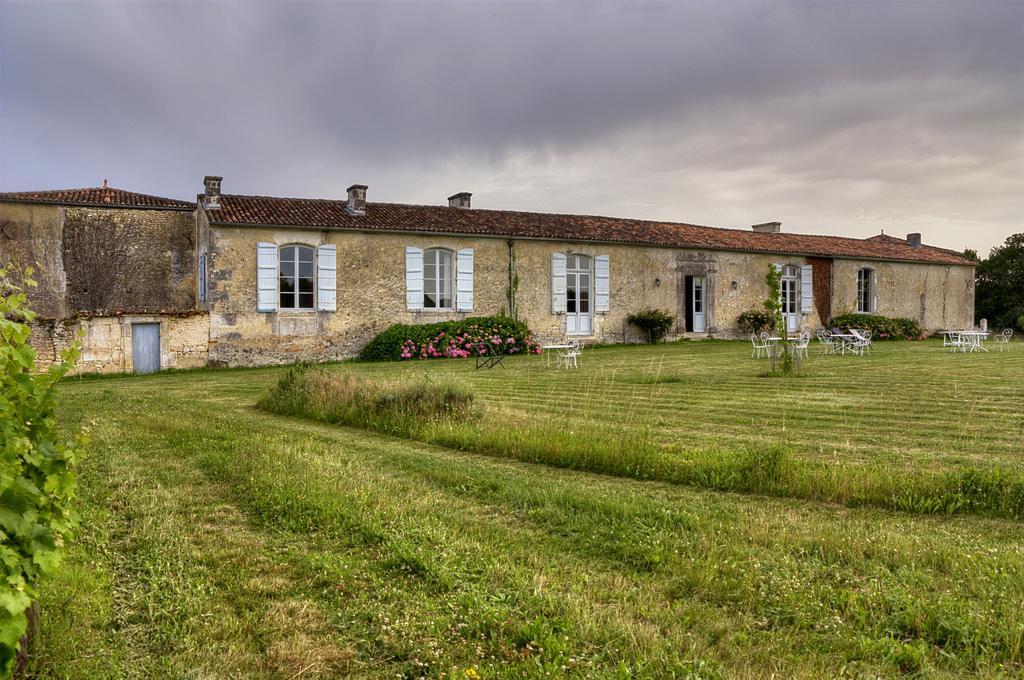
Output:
x=773 y=306
x=37 y=480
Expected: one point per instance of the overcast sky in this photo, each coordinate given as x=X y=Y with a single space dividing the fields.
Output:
x=833 y=117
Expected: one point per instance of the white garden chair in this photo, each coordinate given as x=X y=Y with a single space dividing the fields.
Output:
x=827 y=344
x=861 y=341
x=800 y=346
x=570 y=357
x=1003 y=339
x=955 y=341
x=760 y=345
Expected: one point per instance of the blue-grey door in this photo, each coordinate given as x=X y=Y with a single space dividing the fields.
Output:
x=146 y=347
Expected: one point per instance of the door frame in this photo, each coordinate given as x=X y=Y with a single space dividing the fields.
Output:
x=127 y=351
x=791 y=319
x=575 y=274
x=705 y=266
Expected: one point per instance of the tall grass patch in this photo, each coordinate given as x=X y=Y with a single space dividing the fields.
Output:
x=439 y=411
x=344 y=398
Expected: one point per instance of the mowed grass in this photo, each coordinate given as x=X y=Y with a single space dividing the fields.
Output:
x=223 y=541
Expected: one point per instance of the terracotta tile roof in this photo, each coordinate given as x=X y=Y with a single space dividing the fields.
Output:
x=97 y=196
x=331 y=214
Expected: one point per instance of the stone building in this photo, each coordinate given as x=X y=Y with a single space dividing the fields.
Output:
x=248 y=280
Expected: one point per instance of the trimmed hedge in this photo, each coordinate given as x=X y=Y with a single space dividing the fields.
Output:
x=451 y=339
x=881 y=327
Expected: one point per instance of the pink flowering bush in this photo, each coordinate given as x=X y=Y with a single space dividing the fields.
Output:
x=473 y=336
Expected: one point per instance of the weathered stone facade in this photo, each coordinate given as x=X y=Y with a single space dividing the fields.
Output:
x=106 y=341
x=99 y=270
x=102 y=269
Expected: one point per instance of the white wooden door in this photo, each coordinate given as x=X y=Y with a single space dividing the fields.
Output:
x=698 y=304
x=578 y=295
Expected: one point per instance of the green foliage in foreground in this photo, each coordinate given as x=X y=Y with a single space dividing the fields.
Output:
x=37 y=482
x=445 y=415
x=881 y=327
x=230 y=542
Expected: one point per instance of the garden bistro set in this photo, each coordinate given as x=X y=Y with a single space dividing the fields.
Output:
x=851 y=341
x=974 y=340
x=567 y=354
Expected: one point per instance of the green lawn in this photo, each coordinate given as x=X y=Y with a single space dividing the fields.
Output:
x=220 y=540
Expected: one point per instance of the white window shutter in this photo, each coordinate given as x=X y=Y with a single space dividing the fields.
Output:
x=602 y=272
x=464 y=280
x=413 y=278
x=778 y=268
x=327 y=278
x=266 y=277
x=557 y=283
x=806 y=289
x=873 y=277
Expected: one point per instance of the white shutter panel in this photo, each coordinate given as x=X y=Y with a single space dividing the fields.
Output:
x=873 y=277
x=464 y=280
x=557 y=283
x=327 y=278
x=806 y=291
x=602 y=271
x=266 y=277
x=413 y=278
x=778 y=268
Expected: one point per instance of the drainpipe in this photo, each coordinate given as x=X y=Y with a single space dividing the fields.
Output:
x=511 y=279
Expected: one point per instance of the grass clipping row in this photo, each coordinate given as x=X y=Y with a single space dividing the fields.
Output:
x=448 y=414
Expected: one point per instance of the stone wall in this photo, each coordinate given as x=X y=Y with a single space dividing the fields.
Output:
x=936 y=296
x=32 y=236
x=97 y=261
x=106 y=341
x=132 y=260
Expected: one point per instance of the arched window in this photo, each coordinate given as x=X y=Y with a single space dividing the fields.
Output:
x=438 y=279
x=296 y=277
x=866 y=291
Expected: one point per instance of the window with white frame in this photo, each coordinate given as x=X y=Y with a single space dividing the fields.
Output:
x=438 y=279
x=296 y=278
x=865 y=291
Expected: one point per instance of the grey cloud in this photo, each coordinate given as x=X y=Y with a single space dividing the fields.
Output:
x=831 y=116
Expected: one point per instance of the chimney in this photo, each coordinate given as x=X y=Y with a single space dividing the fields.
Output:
x=459 y=200
x=914 y=240
x=211 y=197
x=767 y=227
x=357 y=199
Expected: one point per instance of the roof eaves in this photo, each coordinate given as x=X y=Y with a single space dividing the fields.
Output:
x=87 y=204
x=463 y=234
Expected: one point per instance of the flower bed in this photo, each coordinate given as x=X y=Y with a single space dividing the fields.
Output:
x=473 y=336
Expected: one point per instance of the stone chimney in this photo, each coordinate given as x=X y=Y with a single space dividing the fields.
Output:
x=357 y=199
x=767 y=227
x=459 y=200
x=211 y=198
x=914 y=240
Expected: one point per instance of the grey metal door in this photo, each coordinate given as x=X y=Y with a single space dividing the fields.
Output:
x=146 y=347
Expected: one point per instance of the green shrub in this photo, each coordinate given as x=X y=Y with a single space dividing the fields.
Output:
x=37 y=480
x=654 y=321
x=451 y=339
x=881 y=327
x=755 y=321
